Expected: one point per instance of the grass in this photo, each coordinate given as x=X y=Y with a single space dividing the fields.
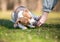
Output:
x=49 y=32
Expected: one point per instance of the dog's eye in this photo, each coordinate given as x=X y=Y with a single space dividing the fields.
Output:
x=19 y=21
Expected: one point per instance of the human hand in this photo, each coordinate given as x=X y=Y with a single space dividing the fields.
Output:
x=42 y=19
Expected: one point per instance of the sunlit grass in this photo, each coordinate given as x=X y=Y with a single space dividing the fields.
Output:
x=49 y=32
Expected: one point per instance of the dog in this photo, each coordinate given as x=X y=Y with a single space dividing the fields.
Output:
x=22 y=17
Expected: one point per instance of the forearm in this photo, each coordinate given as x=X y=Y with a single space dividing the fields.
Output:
x=48 y=5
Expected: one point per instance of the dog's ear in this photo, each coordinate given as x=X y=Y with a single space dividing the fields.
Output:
x=26 y=14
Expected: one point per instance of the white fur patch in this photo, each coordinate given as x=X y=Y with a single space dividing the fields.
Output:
x=32 y=21
x=20 y=14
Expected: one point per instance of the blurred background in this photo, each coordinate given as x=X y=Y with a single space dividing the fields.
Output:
x=31 y=4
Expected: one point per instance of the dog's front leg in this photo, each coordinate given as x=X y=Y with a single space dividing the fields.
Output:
x=16 y=23
x=22 y=26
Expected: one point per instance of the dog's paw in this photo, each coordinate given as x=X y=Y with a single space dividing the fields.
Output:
x=24 y=28
x=15 y=25
x=31 y=26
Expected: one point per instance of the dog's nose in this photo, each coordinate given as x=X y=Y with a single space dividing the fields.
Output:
x=35 y=23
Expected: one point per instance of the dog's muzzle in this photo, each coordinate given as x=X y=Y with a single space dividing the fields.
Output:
x=32 y=21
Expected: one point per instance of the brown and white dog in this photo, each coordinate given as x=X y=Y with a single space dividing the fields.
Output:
x=22 y=17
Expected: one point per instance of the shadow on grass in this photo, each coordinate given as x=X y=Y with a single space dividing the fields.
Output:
x=51 y=25
x=9 y=24
x=6 y=23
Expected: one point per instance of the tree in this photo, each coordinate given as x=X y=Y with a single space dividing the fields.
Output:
x=23 y=2
x=16 y=4
x=39 y=5
x=4 y=5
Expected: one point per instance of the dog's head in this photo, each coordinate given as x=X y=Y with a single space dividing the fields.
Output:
x=27 y=18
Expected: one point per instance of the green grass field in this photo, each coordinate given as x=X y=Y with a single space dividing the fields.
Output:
x=49 y=32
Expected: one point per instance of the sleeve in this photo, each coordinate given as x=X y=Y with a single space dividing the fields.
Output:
x=48 y=5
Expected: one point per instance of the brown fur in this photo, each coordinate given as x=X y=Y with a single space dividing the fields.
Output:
x=26 y=16
x=25 y=19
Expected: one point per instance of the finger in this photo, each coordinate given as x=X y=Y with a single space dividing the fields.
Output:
x=39 y=24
